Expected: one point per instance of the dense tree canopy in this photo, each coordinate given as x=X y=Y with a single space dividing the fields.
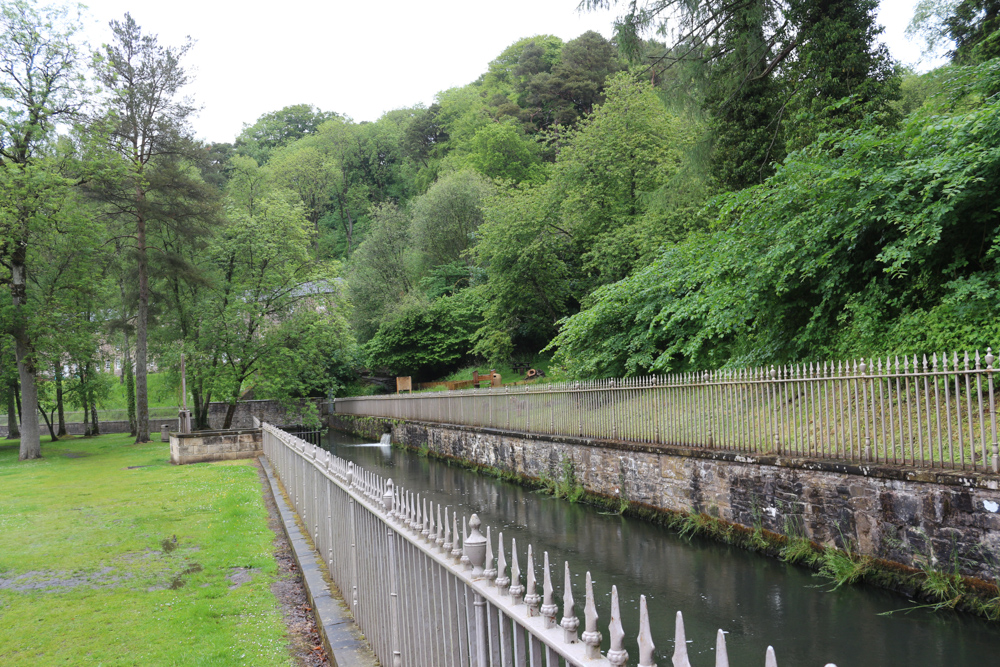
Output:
x=725 y=183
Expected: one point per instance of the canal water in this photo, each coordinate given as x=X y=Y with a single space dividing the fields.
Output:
x=758 y=601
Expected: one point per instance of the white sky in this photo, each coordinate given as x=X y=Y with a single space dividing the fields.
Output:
x=357 y=58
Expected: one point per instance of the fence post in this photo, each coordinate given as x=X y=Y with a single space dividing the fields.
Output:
x=387 y=504
x=475 y=549
x=995 y=449
x=354 y=542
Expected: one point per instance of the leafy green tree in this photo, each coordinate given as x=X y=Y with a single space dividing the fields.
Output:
x=381 y=273
x=426 y=340
x=152 y=186
x=544 y=248
x=269 y=302
x=798 y=69
x=40 y=86
x=280 y=128
x=867 y=242
x=502 y=151
x=446 y=217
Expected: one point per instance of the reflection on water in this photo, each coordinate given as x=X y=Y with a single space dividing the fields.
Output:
x=758 y=601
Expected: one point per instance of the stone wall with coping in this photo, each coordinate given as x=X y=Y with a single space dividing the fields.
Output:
x=215 y=446
x=917 y=517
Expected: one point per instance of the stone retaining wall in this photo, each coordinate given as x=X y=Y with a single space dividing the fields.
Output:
x=215 y=446
x=916 y=517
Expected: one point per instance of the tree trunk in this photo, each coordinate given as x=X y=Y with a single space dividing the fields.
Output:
x=13 y=432
x=59 y=399
x=141 y=395
x=48 y=423
x=129 y=389
x=230 y=412
x=93 y=415
x=84 y=397
x=31 y=440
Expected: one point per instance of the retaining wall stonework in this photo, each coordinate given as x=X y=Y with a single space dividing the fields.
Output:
x=215 y=446
x=907 y=515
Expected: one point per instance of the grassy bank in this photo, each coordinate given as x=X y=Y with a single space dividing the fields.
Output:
x=111 y=556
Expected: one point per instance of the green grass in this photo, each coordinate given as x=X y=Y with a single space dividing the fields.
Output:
x=162 y=389
x=507 y=374
x=91 y=544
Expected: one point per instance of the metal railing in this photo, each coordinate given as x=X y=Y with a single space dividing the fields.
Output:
x=109 y=415
x=424 y=595
x=938 y=413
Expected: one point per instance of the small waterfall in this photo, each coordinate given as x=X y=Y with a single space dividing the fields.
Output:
x=386 y=439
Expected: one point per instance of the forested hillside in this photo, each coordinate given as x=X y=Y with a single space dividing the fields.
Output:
x=758 y=183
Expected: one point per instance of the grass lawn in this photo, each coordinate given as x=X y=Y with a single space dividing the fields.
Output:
x=106 y=563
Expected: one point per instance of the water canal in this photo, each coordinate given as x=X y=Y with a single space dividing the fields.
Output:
x=758 y=601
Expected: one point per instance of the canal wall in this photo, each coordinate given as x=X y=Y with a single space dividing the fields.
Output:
x=921 y=518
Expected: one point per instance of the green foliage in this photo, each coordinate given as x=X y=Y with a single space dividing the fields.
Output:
x=867 y=241
x=545 y=247
x=425 y=340
x=446 y=217
x=279 y=128
x=842 y=567
x=502 y=151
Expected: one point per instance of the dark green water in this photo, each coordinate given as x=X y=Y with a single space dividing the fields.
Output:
x=758 y=601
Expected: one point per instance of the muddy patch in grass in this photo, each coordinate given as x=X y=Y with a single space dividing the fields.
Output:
x=40 y=580
x=240 y=576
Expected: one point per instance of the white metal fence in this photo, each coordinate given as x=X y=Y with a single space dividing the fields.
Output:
x=938 y=412
x=424 y=594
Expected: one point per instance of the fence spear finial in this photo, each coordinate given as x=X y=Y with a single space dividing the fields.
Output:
x=617 y=655
x=503 y=581
x=591 y=635
x=646 y=646
x=531 y=598
x=680 y=658
x=516 y=589
x=439 y=537
x=489 y=571
x=721 y=654
x=456 y=550
x=569 y=622
x=770 y=660
x=549 y=608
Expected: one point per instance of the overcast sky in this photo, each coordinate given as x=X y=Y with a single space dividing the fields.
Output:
x=357 y=58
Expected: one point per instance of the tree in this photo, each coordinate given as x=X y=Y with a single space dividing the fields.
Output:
x=269 y=301
x=280 y=128
x=866 y=242
x=799 y=69
x=152 y=186
x=380 y=277
x=446 y=217
x=40 y=86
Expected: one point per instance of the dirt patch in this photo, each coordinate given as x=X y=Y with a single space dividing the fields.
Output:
x=303 y=636
x=58 y=581
x=240 y=576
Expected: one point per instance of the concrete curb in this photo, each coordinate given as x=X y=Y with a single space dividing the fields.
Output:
x=345 y=644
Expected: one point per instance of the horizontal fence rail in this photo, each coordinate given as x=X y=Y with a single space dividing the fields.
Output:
x=110 y=415
x=937 y=412
x=424 y=594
